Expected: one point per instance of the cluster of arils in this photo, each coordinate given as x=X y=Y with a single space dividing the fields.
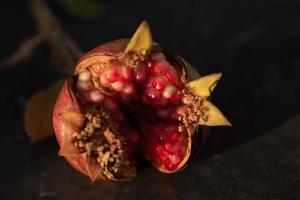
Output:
x=129 y=98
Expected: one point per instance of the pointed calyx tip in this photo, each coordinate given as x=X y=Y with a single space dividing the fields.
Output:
x=73 y=119
x=214 y=117
x=205 y=85
x=141 y=41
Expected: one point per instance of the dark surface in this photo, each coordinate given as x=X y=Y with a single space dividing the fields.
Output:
x=256 y=44
x=265 y=168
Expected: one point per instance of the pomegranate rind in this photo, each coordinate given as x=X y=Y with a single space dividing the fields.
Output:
x=67 y=103
x=104 y=53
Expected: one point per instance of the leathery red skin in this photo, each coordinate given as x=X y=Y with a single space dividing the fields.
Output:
x=67 y=102
x=113 y=48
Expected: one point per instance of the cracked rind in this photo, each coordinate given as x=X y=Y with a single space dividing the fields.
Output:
x=64 y=131
x=104 y=54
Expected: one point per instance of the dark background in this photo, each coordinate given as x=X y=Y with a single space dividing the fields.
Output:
x=254 y=43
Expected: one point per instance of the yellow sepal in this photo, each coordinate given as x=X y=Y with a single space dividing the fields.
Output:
x=205 y=85
x=141 y=40
x=73 y=119
x=213 y=116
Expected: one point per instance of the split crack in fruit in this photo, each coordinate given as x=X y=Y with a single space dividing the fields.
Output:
x=129 y=98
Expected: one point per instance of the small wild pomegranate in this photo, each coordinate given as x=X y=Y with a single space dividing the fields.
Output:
x=129 y=98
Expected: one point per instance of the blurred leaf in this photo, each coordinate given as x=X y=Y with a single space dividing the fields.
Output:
x=64 y=54
x=23 y=52
x=83 y=8
x=38 y=113
x=64 y=51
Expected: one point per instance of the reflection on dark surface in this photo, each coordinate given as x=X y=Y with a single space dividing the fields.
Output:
x=256 y=44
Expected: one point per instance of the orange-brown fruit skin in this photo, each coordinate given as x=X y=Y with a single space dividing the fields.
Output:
x=66 y=102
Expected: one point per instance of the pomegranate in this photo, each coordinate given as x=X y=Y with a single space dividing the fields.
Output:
x=129 y=98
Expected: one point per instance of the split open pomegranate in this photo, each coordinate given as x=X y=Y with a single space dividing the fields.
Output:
x=129 y=98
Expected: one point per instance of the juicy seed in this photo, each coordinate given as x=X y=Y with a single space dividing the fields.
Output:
x=167 y=145
x=129 y=89
x=84 y=86
x=162 y=152
x=124 y=98
x=170 y=128
x=169 y=91
x=110 y=104
x=179 y=111
x=118 y=86
x=165 y=113
x=159 y=83
x=112 y=75
x=160 y=68
x=95 y=96
x=171 y=75
x=134 y=137
x=103 y=80
x=127 y=73
x=174 y=159
x=85 y=76
x=175 y=137
x=140 y=73
x=118 y=120
x=175 y=97
x=118 y=117
x=152 y=95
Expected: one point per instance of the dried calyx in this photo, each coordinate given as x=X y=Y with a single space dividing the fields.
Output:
x=129 y=97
